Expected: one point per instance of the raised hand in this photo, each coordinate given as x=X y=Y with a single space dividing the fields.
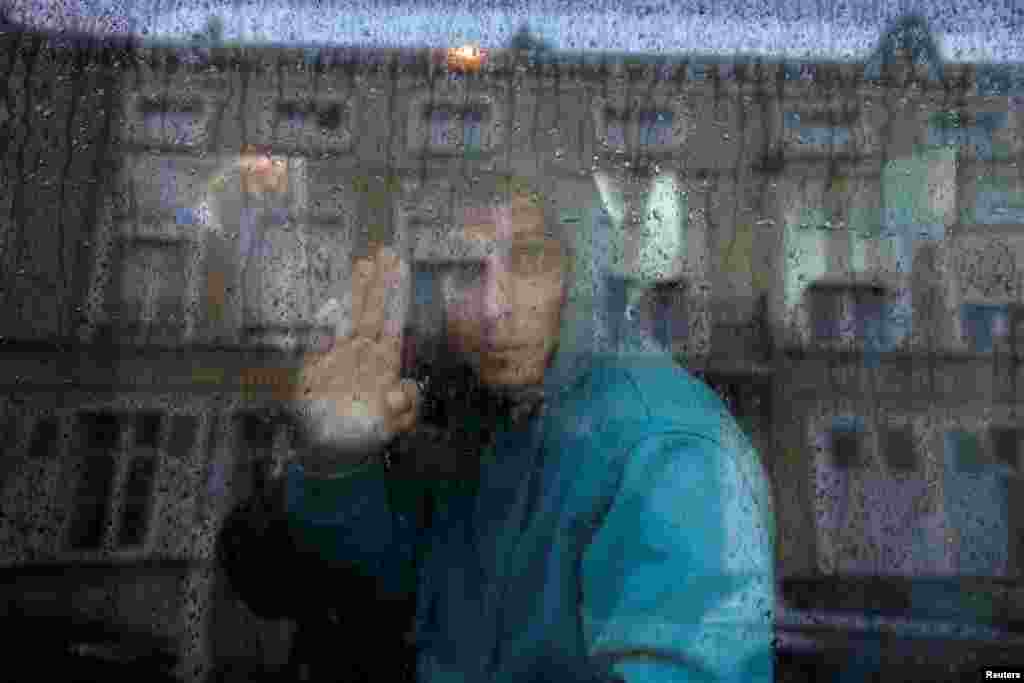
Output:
x=351 y=398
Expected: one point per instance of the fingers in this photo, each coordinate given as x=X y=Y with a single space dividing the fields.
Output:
x=400 y=292
x=383 y=360
x=409 y=399
x=371 y=322
x=398 y=402
x=404 y=397
x=362 y=275
x=384 y=302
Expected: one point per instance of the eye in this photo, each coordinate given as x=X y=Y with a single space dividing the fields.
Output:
x=533 y=259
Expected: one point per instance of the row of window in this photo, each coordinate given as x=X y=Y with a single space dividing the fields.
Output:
x=182 y=122
x=463 y=128
x=138 y=443
x=970 y=452
x=869 y=314
x=149 y=307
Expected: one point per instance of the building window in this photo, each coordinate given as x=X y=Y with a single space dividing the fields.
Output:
x=147 y=430
x=826 y=313
x=615 y=129
x=846 y=437
x=898 y=448
x=8 y=436
x=977 y=505
x=954 y=129
x=440 y=128
x=810 y=131
x=44 y=439
x=98 y=439
x=182 y=436
x=98 y=435
x=445 y=122
x=1006 y=447
x=172 y=122
x=472 y=123
x=968 y=455
x=982 y=323
x=148 y=292
x=329 y=117
x=291 y=119
x=137 y=501
x=655 y=128
x=168 y=184
x=857 y=311
x=663 y=313
x=257 y=432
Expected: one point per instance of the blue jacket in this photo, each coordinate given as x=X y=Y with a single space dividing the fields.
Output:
x=627 y=533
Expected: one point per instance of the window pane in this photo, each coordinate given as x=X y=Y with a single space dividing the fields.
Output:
x=147 y=292
x=98 y=431
x=825 y=314
x=615 y=129
x=440 y=127
x=92 y=502
x=137 y=501
x=44 y=441
x=898 y=448
x=967 y=453
x=846 y=449
x=8 y=434
x=183 y=434
x=329 y=117
x=1006 y=444
x=257 y=432
x=655 y=127
x=981 y=323
x=471 y=130
x=147 y=430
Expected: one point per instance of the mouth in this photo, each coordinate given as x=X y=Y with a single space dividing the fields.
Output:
x=501 y=350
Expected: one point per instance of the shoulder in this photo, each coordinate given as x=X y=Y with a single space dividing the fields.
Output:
x=650 y=390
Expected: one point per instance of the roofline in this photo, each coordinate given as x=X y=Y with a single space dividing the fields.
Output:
x=539 y=56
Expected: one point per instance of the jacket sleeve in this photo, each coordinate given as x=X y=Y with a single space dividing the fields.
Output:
x=678 y=581
x=253 y=544
x=329 y=542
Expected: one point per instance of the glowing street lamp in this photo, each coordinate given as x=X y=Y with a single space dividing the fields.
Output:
x=466 y=58
x=262 y=173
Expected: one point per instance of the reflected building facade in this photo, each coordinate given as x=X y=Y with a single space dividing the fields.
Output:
x=835 y=251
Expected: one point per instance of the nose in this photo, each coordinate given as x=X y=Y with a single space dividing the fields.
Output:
x=496 y=300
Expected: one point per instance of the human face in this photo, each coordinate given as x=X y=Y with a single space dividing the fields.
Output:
x=503 y=305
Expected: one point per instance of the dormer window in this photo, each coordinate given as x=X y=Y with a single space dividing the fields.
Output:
x=953 y=128
x=172 y=121
x=305 y=122
x=818 y=130
x=655 y=128
x=451 y=125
